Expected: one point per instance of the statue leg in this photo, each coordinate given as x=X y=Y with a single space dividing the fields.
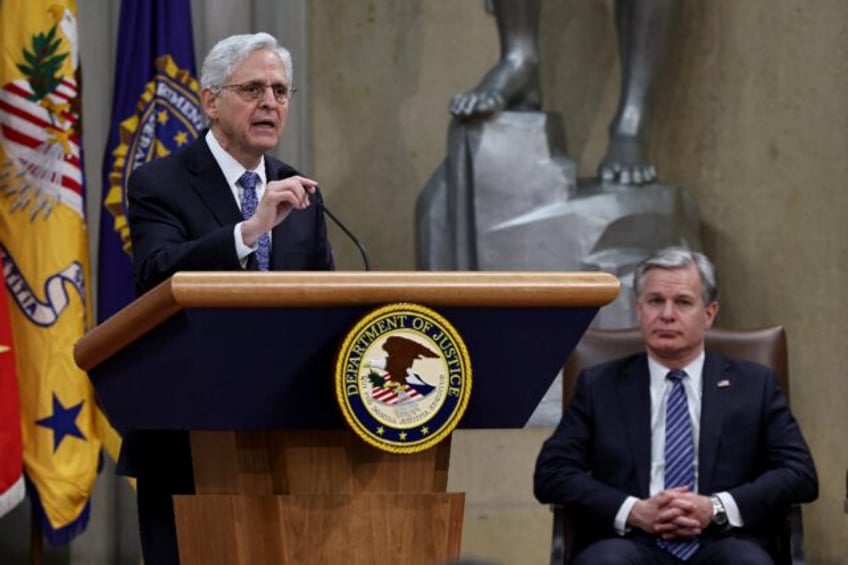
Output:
x=513 y=83
x=644 y=27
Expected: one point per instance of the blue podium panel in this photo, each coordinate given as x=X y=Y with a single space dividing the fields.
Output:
x=273 y=368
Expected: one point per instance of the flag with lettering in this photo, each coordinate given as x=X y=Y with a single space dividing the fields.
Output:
x=155 y=111
x=11 y=462
x=45 y=257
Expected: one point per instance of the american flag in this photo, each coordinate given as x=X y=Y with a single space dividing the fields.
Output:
x=44 y=144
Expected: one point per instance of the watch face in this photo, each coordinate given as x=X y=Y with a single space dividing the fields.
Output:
x=719 y=514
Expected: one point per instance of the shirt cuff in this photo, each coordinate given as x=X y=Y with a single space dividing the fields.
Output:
x=734 y=516
x=620 y=523
x=242 y=249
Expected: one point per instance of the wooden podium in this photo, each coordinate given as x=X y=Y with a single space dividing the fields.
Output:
x=244 y=361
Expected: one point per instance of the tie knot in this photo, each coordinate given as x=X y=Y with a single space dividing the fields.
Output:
x=248 y=180
x=676 y=375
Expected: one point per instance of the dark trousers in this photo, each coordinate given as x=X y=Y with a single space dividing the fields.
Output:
x=642 y=550
x=156 y=522
x=161 y=462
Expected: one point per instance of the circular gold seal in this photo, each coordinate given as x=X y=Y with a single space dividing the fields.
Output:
x=403 y=378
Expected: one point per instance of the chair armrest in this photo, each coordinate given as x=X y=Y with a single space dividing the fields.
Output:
x=796 y=530
x=789 y=544
x=558 y=537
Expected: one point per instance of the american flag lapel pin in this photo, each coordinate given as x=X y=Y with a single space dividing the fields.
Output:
x=723 y=383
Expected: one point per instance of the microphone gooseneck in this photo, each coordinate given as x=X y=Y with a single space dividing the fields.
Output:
x=347 y=232
x=283 y=173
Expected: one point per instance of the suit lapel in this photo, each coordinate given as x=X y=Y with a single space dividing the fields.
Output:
x=635 y=402
x=717 y=385
x=209 y=183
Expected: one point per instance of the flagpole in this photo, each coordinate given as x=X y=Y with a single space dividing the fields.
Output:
x=36 y=546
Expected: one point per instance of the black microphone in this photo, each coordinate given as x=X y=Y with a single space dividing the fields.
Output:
x=347 y=232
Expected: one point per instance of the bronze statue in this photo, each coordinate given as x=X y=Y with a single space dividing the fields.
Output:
x=643 y=28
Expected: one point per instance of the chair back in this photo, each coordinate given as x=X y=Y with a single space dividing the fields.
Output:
x=766 y=346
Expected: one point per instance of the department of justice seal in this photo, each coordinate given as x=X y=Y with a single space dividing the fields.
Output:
x=403 y=378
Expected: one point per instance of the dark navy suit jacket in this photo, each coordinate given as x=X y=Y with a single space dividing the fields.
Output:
x=182 y=215
x=750 y=446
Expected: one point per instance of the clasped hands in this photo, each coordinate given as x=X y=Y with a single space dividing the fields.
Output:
x=676 y=513
x=280 y=198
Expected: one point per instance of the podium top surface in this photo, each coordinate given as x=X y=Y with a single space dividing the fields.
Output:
x=334 y=289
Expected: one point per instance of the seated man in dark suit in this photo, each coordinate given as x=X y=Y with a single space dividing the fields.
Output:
x=676 y=454
x=222 y=203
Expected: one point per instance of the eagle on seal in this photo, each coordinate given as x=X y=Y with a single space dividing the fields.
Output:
x=401 y=354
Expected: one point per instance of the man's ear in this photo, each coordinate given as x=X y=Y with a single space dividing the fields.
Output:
x=209 y=102
x=712 y=312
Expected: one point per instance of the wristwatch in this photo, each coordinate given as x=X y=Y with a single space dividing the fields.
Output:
x=719 y=513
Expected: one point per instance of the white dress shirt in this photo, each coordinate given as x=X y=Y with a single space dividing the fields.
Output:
x=233 y=171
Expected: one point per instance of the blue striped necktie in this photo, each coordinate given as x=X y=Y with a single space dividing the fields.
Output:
x=679 y=455
x=249 y=202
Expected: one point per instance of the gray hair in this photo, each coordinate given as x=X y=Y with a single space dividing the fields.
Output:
x=230 y=52
x=680 y=258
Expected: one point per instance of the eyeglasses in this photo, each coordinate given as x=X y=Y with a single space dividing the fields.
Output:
x=255 y=90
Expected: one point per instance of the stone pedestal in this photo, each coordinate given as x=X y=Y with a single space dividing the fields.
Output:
x=496 y=170
x=607 y=228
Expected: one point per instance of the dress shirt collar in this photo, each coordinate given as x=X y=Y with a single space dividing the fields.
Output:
x=231 y=168
x=695 y=370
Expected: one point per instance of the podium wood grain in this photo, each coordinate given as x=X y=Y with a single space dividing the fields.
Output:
x=310 y=462
x=304 y=529
x=316 y=497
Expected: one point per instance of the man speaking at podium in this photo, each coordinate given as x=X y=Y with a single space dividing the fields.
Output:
x=222 y=203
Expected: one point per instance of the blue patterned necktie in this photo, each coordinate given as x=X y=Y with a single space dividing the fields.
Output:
x=249 y=202
x=679 y=455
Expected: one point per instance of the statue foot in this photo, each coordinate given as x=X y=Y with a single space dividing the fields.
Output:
x=626 y=163
x=512 y=84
